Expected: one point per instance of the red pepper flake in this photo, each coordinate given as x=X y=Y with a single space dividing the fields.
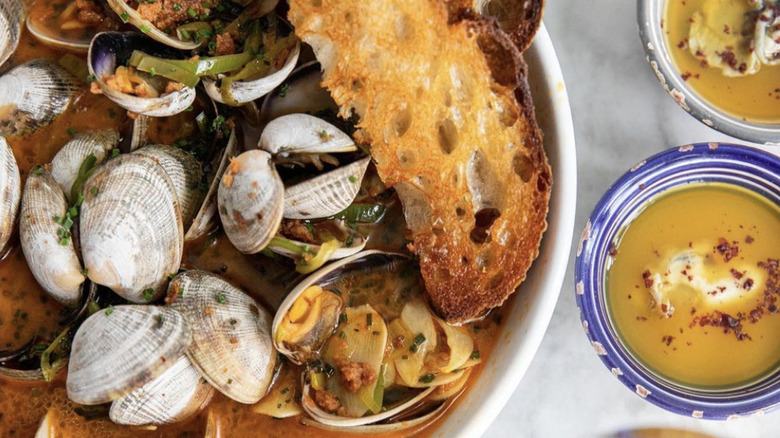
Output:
x=646 y=277
x=612 y=250
x=667 y=339
x=749 y=239
x=685 y=76
x=727 y=251
x=736 y=274
x=641 y=318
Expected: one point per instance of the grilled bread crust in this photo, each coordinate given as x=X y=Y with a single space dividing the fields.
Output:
x=445 y=107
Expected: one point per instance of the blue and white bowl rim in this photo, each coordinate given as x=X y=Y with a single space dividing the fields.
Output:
x=703 y=162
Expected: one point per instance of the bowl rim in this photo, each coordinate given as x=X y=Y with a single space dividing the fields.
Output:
x=649 y=18
x=534 y=303
x=752 y=168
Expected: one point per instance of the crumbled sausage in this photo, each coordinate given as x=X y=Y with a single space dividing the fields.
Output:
x=225 y=44
x=167 y=14
x=355 y=375
x=296 y=229
x=173 y=86
x=326 y=400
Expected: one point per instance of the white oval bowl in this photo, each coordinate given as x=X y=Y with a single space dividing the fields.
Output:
x=530 y=311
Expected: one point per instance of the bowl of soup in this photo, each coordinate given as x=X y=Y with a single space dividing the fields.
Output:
x=677 y=280
x=719 y=60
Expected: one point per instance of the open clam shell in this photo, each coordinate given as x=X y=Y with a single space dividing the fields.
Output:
x=109 y=50
x=767 y=35
x=58 y=41
x=32 y=95
x=303 y=134
x=251 y=201
x=131 y=231
x=11 y=18
x=51 y=257
x=175 y=395
x=10 y=189
x=241 y=92
x=232 y=346
x=116 y=352
x=206 y=217
x=325 y=194
x=131 y=16
x=185 y=173
x=66 y=164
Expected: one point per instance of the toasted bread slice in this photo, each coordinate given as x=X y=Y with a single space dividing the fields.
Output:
x=444 y=105
x=518 y=18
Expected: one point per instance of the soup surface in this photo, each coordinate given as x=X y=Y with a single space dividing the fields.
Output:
x=692 y=286
x=754 y=97
x=25 y=310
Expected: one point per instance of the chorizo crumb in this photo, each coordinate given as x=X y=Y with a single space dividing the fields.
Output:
x=173 y=86
x=225 y=44
x=295 y=228
x=326 y=400
x=355 y=375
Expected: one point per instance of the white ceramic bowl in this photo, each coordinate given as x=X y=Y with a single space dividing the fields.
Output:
x=530 y=311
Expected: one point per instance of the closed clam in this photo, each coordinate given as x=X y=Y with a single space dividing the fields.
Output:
x=10 y=189
x=32 y=95
x=66 y=164
x=131 y=231
x=185 y=174
x=175 y=395
x=122 y=348
x=112 y=50
x=232 y=344
x=44 y=231
x=11 y=19
x=251 y=201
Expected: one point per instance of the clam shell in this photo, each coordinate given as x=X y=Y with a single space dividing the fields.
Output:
x=130 y=227
x=358 y=243
x=251 y=199
x=175 y=395
x=11 y=18
x=232 y=346
x=184 y=171
x=66 y=164
x=302 y=133
x=55 y=265
x=111 y=49
x=10 y=190
x=767 y=35
x=383 y=428
x=122 y=9
x=35 y=93
x=205 y=219
x=56 y=41
x=326 y=194
x=117 y=352
x=247 y=91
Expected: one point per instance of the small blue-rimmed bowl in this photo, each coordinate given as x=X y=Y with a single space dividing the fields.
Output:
x=747 y=167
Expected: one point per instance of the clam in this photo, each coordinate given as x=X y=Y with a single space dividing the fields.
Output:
x=326 y=194
x=767 y=36
x=240 y=92
x=355 y=375
x=251 y=201
x=303 y=134
x=32 y=95
x=185 y=173
x=131 y=232
x=110 y=50
x=44 y=231
x=175 y=395
x=11 y=18
x=121 y=349
x=10 y=189
x=66 y=164
x=205 y=218
x=232 y=345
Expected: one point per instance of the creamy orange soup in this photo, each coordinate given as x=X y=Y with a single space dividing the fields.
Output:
x=692 y=287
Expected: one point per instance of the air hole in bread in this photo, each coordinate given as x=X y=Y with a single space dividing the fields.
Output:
x=507 y=115
x=316 y=3
x=483 y=220
x=447 y=98
x=448 y=136
x=417 y=210
x=407 y=158
x=460 y=212
x=543 y=182
x=442 y=274
x=438 y=231
x=402 y=121
x=486 y=190
x=523 y=166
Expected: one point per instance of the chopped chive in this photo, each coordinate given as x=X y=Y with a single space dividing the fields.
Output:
x=176 y=7
x=343 y=317
x=153 y=71
x=342 y=335
x=419 y=339
x=144 y=28
x=285 y=88
x=352 y=179
x=348 y=242
x=148 y=294
x=109 y=310
x=369 y=318
x=37 y=170
x=94 y=191
x=375 y=333
x=413 y=348
x=160 y=319
x=71 y=132
x=475 y=354
x=64 y=241
x=124 y=16
x=185 y=34
x=91 y=78
x=191 y=12
x=428 y=378
x=221 y=298
x=114 y=152
x=73 y=211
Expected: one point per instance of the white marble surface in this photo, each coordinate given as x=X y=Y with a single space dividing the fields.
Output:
x=621 y=116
